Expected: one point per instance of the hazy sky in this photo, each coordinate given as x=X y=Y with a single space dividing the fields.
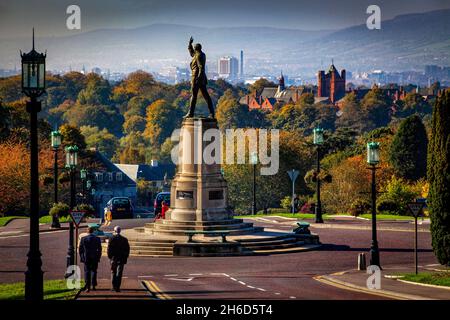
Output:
x=17 y=17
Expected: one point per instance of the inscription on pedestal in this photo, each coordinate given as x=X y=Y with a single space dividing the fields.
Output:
x=183 y=195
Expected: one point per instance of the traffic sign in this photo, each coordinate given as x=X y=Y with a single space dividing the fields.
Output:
x=293 y=174
x=416 y=208
x=77 y=216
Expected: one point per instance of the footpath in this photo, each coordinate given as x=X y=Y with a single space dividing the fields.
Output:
x=391 y=287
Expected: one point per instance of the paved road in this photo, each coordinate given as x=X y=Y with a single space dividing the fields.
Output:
x=282 y=276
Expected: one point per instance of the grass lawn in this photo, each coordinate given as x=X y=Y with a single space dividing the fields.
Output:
x=326 y=216
x=286 y=215
x=387 y=217
x=48 y=219
x=53 y=290
x=438 y=279
x=5 y=220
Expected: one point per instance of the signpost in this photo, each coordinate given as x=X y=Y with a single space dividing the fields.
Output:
x=76 y=216
x=293 y=174
x=416 y=209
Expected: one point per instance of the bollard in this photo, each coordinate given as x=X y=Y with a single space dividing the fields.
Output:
x=362 y=261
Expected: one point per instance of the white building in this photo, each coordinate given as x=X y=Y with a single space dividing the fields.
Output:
x=228 y=68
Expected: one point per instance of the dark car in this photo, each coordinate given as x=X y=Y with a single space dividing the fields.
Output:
x=120 y=207
x=160 y=197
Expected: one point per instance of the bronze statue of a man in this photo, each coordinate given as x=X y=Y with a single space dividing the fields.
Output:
x=198 y=78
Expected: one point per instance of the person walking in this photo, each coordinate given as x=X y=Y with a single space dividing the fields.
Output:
x=108 y=217
x=90 y=254
x=118 y=252
x=164 y=208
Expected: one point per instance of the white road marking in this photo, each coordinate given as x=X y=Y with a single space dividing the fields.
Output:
x=195 y=274
x=182 y=279
x=251 y=287
x=145 y=276
x=261 y=289
x=243 y=283
x=171 y=275
x=292 y=297
x=277 y=293
x=233 y=279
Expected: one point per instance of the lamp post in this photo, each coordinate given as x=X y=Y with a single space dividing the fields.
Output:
x=318 y=141
x=373 y=158
x=254 y=162
x=83 y=176
x=33 y=86
x=71 y=164
x=56 y=142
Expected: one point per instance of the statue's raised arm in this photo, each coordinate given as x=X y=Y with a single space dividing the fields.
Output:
x=190 y=47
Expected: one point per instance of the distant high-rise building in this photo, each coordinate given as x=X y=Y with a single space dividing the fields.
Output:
x=331 y=84
x=242 y=65
x=228 y=68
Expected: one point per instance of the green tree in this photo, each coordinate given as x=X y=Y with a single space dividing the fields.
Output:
x=71 y=135
x=378 y=107
x=97 y=91
x=408 y=151
x=134 y=123
x=413 y=103
x=439 y=179
x=102 y=116
x=230 y=113
x=103 y=140
x=353 y=116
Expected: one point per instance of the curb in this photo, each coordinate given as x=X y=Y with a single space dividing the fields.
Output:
x=424 y=284
x=383 y=293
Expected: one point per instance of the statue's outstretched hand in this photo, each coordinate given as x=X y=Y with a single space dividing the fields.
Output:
x=191 y=40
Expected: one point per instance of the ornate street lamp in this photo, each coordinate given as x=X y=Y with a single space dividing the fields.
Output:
x=373 y=158
x=71 y=164
x=318 y=141
x=33 y=86
x=83 y=176
x=254 y=162
x=56 y=143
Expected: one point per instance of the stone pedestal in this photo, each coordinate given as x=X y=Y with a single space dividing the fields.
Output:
x=199 y=192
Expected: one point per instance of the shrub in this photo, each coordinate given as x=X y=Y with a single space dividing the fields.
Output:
x=87 y=208
x=397 y=195
x=286 y=203
x=388 y=206
x=308 y=207
x=359 y=207
x=46 y=179
x=60 y=209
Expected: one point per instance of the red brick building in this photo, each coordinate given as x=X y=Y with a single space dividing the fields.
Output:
x=331 y=84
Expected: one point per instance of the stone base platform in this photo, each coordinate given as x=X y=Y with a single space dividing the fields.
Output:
x=179 y=228
x=257 y=242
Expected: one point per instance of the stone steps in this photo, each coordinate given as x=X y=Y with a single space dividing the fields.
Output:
x=151 y=247
x=202 y=228
x=199 y=223
x=151 y=253
x=173 y=232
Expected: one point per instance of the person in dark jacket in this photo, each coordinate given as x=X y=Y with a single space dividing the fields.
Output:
x=118 y=252
x=90 y=254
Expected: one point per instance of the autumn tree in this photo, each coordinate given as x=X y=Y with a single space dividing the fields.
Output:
x=162 y=119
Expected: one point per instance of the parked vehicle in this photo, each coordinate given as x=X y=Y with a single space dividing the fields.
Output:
x=120 y=207
x=160 y=197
